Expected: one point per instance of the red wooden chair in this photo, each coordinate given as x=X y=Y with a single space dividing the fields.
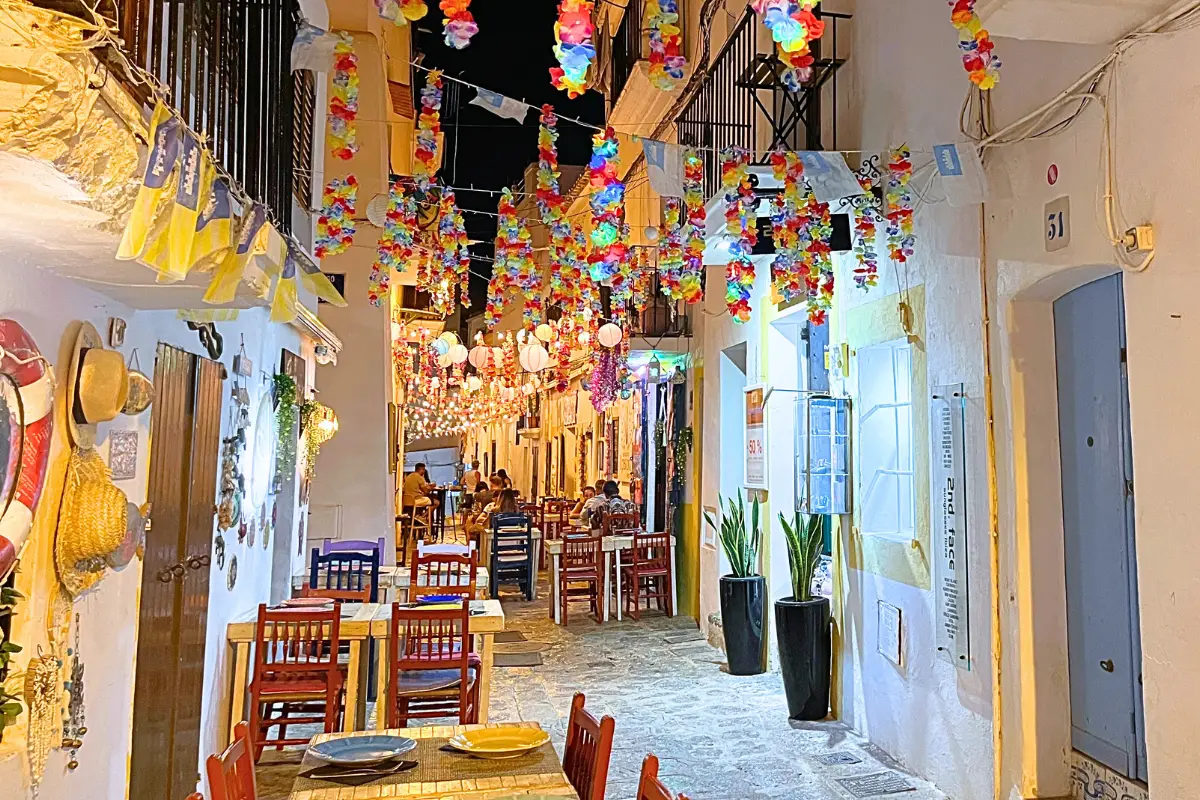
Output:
x=648 y=574
x=581 y=573
x=588 y=749
x=194 y=796
x=443 y=573
x=650 y=787
x=554 y=522
x=620 y=523
x=432 y=671
x=297 y=679
x=231 y=774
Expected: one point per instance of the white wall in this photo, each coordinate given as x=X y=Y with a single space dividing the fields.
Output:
x=44 y=305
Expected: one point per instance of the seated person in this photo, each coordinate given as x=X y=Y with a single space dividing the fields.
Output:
x=588 y=493
x=416 y=489
x=597 y=500
x=613 y=503
x=504 y=477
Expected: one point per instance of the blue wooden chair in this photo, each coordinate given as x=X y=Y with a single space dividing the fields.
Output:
x=353 y=546
x=513 y=559
x=348 y=571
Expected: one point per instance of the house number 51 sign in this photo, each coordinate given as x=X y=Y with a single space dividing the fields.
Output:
x=1056 y=221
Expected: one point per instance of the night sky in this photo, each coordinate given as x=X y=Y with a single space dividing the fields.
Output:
x=512 y=55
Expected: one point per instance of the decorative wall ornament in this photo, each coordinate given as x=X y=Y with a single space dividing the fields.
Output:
x=741 y=234
x=458 y=25
x=219 y=551
x=343 y=101
x=335 y=225
x=42 y=698
x=666 y=44
x=573 y=47
x=609 y=231
x=899 y=205
x=976 y=45
x=74 y=718
x=231 y=576
x=122 y=454
x=429 y=125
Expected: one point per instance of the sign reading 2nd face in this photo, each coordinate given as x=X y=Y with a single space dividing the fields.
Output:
x=756 y=437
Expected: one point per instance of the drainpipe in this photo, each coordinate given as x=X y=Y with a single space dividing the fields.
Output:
x=993 y=505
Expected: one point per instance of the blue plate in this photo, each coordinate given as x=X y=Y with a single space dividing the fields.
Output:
x=354 y=751
x=440 y=598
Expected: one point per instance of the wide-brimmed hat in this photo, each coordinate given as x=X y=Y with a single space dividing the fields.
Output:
x=100 y=386
x=93 y=522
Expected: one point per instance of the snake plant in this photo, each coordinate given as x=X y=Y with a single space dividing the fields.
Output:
x=741 y=548
x=804 y=539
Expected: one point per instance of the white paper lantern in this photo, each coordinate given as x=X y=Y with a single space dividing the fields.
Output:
x=651 y=233
x=584 y=338
x=478 y=356
x=435 y=382
x=534 y=358
x=458 y=353
x=444 y=360
x=609 y=334
x=544 y=332
x=507 y=394
x=450 y=338
x=440 y=346
x=397 y=331
x=474 y=383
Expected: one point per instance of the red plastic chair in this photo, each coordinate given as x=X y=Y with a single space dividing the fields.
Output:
x=443 y=573
x=588 y=750
x=231 y=774
x=648 y=574
x=650 y=787
x=297 y=679
x=581 y=562
x=432 y=671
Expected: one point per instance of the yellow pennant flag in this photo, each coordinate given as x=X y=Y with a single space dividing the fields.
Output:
x=214 y=229
x=314 y=279
x=283 y=304
x=171 y=252
x=228 y=275
x=145 y=222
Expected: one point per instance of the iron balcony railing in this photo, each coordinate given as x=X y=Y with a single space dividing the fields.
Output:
x=742 y=99
x=629 y=46
x=225 y=66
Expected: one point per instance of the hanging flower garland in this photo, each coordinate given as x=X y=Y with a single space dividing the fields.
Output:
x=335 y=225
x=458 y=24
x=866 y=274
x=514 y=258
x=608 y=208
x=450 y=253
x=793 y=25
x=343 y=102
x=691 y=278
x=573 y=46
x=550 y=205
x=976 y=45
x=395 y=245
x=428 y=127
x=642 y=274
x=319 y=424
x=402 y=12
x=603 y=385
x=285 y=421
x=899 y=208
x=670 y=252
x=815 y=235
x=741 y=235
x=790 y=268
x=666 y=44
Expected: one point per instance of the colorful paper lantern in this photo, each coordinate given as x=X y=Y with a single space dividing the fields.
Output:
x=478 y=356
x=459 y=353
x=544 y=332
x=444 y=360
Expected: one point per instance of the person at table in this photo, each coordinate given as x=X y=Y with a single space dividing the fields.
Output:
x=486 y=493
x=472 y=476
x=594 y=502
x=588 y=493
x=504 y=477
x=613 y=503
x=416 y=489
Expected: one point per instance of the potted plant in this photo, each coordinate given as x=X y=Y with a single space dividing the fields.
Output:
x=744 y=590
x=802 y=623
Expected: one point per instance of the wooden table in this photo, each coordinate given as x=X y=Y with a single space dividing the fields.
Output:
x=397 y=579
x=552 y=783
x=612 y=547
x=365 y=620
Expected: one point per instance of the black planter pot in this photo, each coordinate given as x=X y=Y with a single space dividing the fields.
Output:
x=743 y=617
x=805 y=649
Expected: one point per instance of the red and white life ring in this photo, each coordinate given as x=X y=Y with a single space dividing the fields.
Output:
x=22 y=360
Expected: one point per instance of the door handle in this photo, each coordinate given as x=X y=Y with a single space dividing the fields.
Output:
x=168 y=574
x=196 y=562
x=1107 y=665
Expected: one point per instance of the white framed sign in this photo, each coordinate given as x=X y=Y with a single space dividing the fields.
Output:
x=755 y=407
x=568 y=408
x=949 y=510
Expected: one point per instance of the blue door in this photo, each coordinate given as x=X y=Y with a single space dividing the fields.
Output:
x=1103 y=637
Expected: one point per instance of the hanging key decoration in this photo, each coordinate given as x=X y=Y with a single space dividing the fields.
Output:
x=74 y=720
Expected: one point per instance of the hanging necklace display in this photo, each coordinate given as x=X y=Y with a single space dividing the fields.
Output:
x=42 y=700
x=74 y=721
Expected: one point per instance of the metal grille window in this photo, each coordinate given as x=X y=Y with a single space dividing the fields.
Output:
x=304 y=98
x=886 y=486
x=628 y=46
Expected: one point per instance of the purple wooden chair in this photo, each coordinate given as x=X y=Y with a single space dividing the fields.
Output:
x=353 y=546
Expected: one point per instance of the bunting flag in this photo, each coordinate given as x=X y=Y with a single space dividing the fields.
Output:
x=214 y=229
x=145 y=219
x=312 y=49
x=313 y=279
x=500 y=105
x=228 y=275
x=287 y=296
x=196 y=173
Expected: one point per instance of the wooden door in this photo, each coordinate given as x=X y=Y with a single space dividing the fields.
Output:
x=185 y=434
x=1103 y=637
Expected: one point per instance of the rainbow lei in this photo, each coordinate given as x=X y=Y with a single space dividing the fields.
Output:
x=793 y=25
x=814 y=235
x=641 y=280
x=670 y=254
x=741 y=235
x=691 y=279
x=428 y=127
x=343 y=104
x=335 y=225
x=573 y=46
x=666 y=44
x=789 y=270
x=608 y=209
x=550 y=206
x=401 y=12
x=976 y=45
x=866 y=274
x=395 y=245
x=451 y=254
x=514 y=265
x=458 y=23
x=899 y=205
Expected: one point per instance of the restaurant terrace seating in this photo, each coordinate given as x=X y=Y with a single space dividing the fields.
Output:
x=345 y=571
x=442 y=573
x=650 y=787
x=581 y=574
x=648 y=574
x=512 y=555
x=353 y=546
x=588 y=750
x=433 y=672
x=231 y=774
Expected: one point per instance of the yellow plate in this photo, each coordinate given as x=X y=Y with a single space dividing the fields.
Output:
x=500 y=742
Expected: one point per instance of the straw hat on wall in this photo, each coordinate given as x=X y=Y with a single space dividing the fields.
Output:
x=93 y=523
x=100 y=386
